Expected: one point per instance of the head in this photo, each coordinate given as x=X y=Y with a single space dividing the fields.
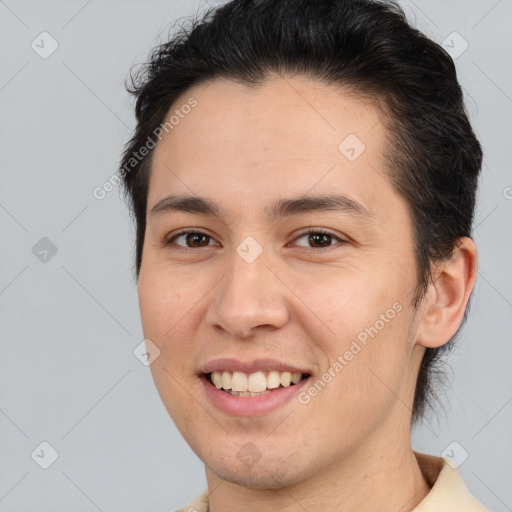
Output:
x=266 y=111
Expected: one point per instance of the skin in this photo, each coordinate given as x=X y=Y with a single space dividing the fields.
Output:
x=349 y=448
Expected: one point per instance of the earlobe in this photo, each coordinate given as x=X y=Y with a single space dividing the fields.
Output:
x=447 y=296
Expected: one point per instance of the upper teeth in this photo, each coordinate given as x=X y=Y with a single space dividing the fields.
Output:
x=255 y=382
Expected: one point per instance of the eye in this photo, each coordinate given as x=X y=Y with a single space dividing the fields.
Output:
x=315 y=239
x=191 y=239
x=319 y=238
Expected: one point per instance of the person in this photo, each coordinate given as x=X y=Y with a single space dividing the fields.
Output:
x=303 y=176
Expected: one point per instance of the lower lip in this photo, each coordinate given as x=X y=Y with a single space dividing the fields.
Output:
x=251 y=405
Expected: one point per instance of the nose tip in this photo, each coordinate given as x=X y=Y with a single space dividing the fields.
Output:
x=248 y=298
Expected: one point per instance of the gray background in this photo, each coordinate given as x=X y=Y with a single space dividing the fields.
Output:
x=69 y=325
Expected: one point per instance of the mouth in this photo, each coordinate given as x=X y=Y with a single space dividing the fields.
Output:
x=242 y=384
x=252 y=390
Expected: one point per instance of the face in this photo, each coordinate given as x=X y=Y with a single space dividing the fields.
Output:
x=295 y=263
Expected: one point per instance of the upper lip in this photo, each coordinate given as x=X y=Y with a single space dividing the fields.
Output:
x=235 y=365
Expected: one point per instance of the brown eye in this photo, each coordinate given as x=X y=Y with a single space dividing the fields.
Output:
x=192 y=239
x=318 y=239
x=196 y=240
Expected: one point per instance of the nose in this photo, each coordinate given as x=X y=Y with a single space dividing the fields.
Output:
x=249 y=297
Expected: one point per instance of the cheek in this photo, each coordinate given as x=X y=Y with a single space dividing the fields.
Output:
x=166 y=306
x=346 y=300
x=166 y=310
x=165 y=298
x=365 y=347
x=364 y=380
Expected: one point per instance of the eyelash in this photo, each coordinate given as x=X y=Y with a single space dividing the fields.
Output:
x=302 y=233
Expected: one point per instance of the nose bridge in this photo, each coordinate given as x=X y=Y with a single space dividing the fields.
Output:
x=250 y=295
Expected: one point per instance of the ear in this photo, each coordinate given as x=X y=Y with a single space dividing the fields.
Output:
x=445 y=302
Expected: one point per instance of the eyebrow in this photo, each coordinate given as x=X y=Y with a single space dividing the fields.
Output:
x=278 y=209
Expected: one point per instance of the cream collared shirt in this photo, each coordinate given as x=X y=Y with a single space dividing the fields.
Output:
x=448 y=491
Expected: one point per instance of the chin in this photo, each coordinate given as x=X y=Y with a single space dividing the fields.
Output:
x=258 y=478
x=264 y=474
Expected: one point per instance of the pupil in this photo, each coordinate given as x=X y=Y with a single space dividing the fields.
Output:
x=324 y=236
x=194 y=236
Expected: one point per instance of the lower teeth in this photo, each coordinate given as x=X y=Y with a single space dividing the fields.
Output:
x=246 y=393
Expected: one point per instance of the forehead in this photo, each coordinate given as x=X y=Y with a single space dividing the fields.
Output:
x=290 y=133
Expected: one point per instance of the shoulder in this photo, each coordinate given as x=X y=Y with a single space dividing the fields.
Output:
x=448 y=491
x=198 y=504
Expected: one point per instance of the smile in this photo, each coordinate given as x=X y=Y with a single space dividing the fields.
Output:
x=253 y=384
